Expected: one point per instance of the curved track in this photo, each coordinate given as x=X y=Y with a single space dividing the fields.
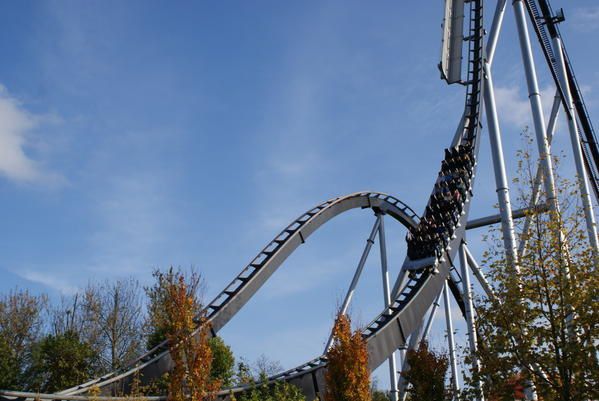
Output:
x=391 y=329
x=255 y=274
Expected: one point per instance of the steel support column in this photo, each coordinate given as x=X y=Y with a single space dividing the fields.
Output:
x=503 y=192
x=469 y=309
x=455 y=381
x=536 y=106
x=577 y=150
x=495 y=29
x=478 y=273
x=387 y=299
x=356 y=278
x=413 y=343
x=536 y=186
x=431 y=317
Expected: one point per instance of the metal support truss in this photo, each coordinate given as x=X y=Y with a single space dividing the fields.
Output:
x=495 y=29
x=414 y=342
x=577 y=150
x=387 y=299
x=536 y=107
x=470 y=319
x=496 y=218
x=536 y=187
x=358 y=273
x=501 y=182
x=455 y=381
x=478 y=272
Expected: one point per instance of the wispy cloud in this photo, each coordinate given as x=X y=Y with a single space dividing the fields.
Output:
x=49 y=280
x=586 y=19
x=513 y=106
x=16 y=138
x=133 y=219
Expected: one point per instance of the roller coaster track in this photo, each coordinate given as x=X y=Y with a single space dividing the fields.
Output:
x=391 y=329
x=546 y=26
x=427 y=276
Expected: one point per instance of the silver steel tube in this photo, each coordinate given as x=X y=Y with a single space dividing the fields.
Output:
x=455 y=381
x=503 y=191
x=387 y=299
x=577 y=150
x=471 y=326
x=414 y=341
x=536 y=106
x=356 y=278
x=431 y=316
x=495 y=29
x=536 y=187
x=478 y=273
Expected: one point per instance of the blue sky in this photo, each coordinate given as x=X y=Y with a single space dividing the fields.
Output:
x=137 y=134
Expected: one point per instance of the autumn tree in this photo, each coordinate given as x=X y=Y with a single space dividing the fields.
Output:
x=426 y=376
x=183 y=323
x=347 y=376
x=158 y=298
x=21 y=324
x=542 y=324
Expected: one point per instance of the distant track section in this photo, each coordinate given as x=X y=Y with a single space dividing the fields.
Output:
x=546 y=27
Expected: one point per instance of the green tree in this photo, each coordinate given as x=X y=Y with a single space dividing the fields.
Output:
x=426 y=376
x=223 y=362
x=9 y=366
x=542 y=325
x=262 y=390
x=61 y=361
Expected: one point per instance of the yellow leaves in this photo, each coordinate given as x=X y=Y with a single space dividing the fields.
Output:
x=188 y=345
x=347 y=376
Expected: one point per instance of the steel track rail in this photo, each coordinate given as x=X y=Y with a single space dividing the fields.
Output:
x=541 y=17
x=226 y=304
x=390 y=329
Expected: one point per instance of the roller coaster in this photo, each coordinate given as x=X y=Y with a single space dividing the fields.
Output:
x=438 y=262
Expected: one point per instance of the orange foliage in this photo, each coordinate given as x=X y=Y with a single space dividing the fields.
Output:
x=347 y=376
x=191 y=353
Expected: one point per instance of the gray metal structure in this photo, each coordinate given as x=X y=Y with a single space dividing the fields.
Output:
x=424 y=279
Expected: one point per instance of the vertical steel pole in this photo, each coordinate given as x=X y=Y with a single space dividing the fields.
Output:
x=415 y=339
x=577 y=150
x=503 y=191
x=469 y=308
x=536 y=187
x=431 y=316
x=356 y=278
x=535 y=104
x=455 y=382
x=387 y=299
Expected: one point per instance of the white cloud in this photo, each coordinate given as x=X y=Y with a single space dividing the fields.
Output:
x=586 y=19
x=513 y=106
x=49 y=280
x=16 y=127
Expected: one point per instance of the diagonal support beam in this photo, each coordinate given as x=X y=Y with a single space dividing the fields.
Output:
x=357 y=274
